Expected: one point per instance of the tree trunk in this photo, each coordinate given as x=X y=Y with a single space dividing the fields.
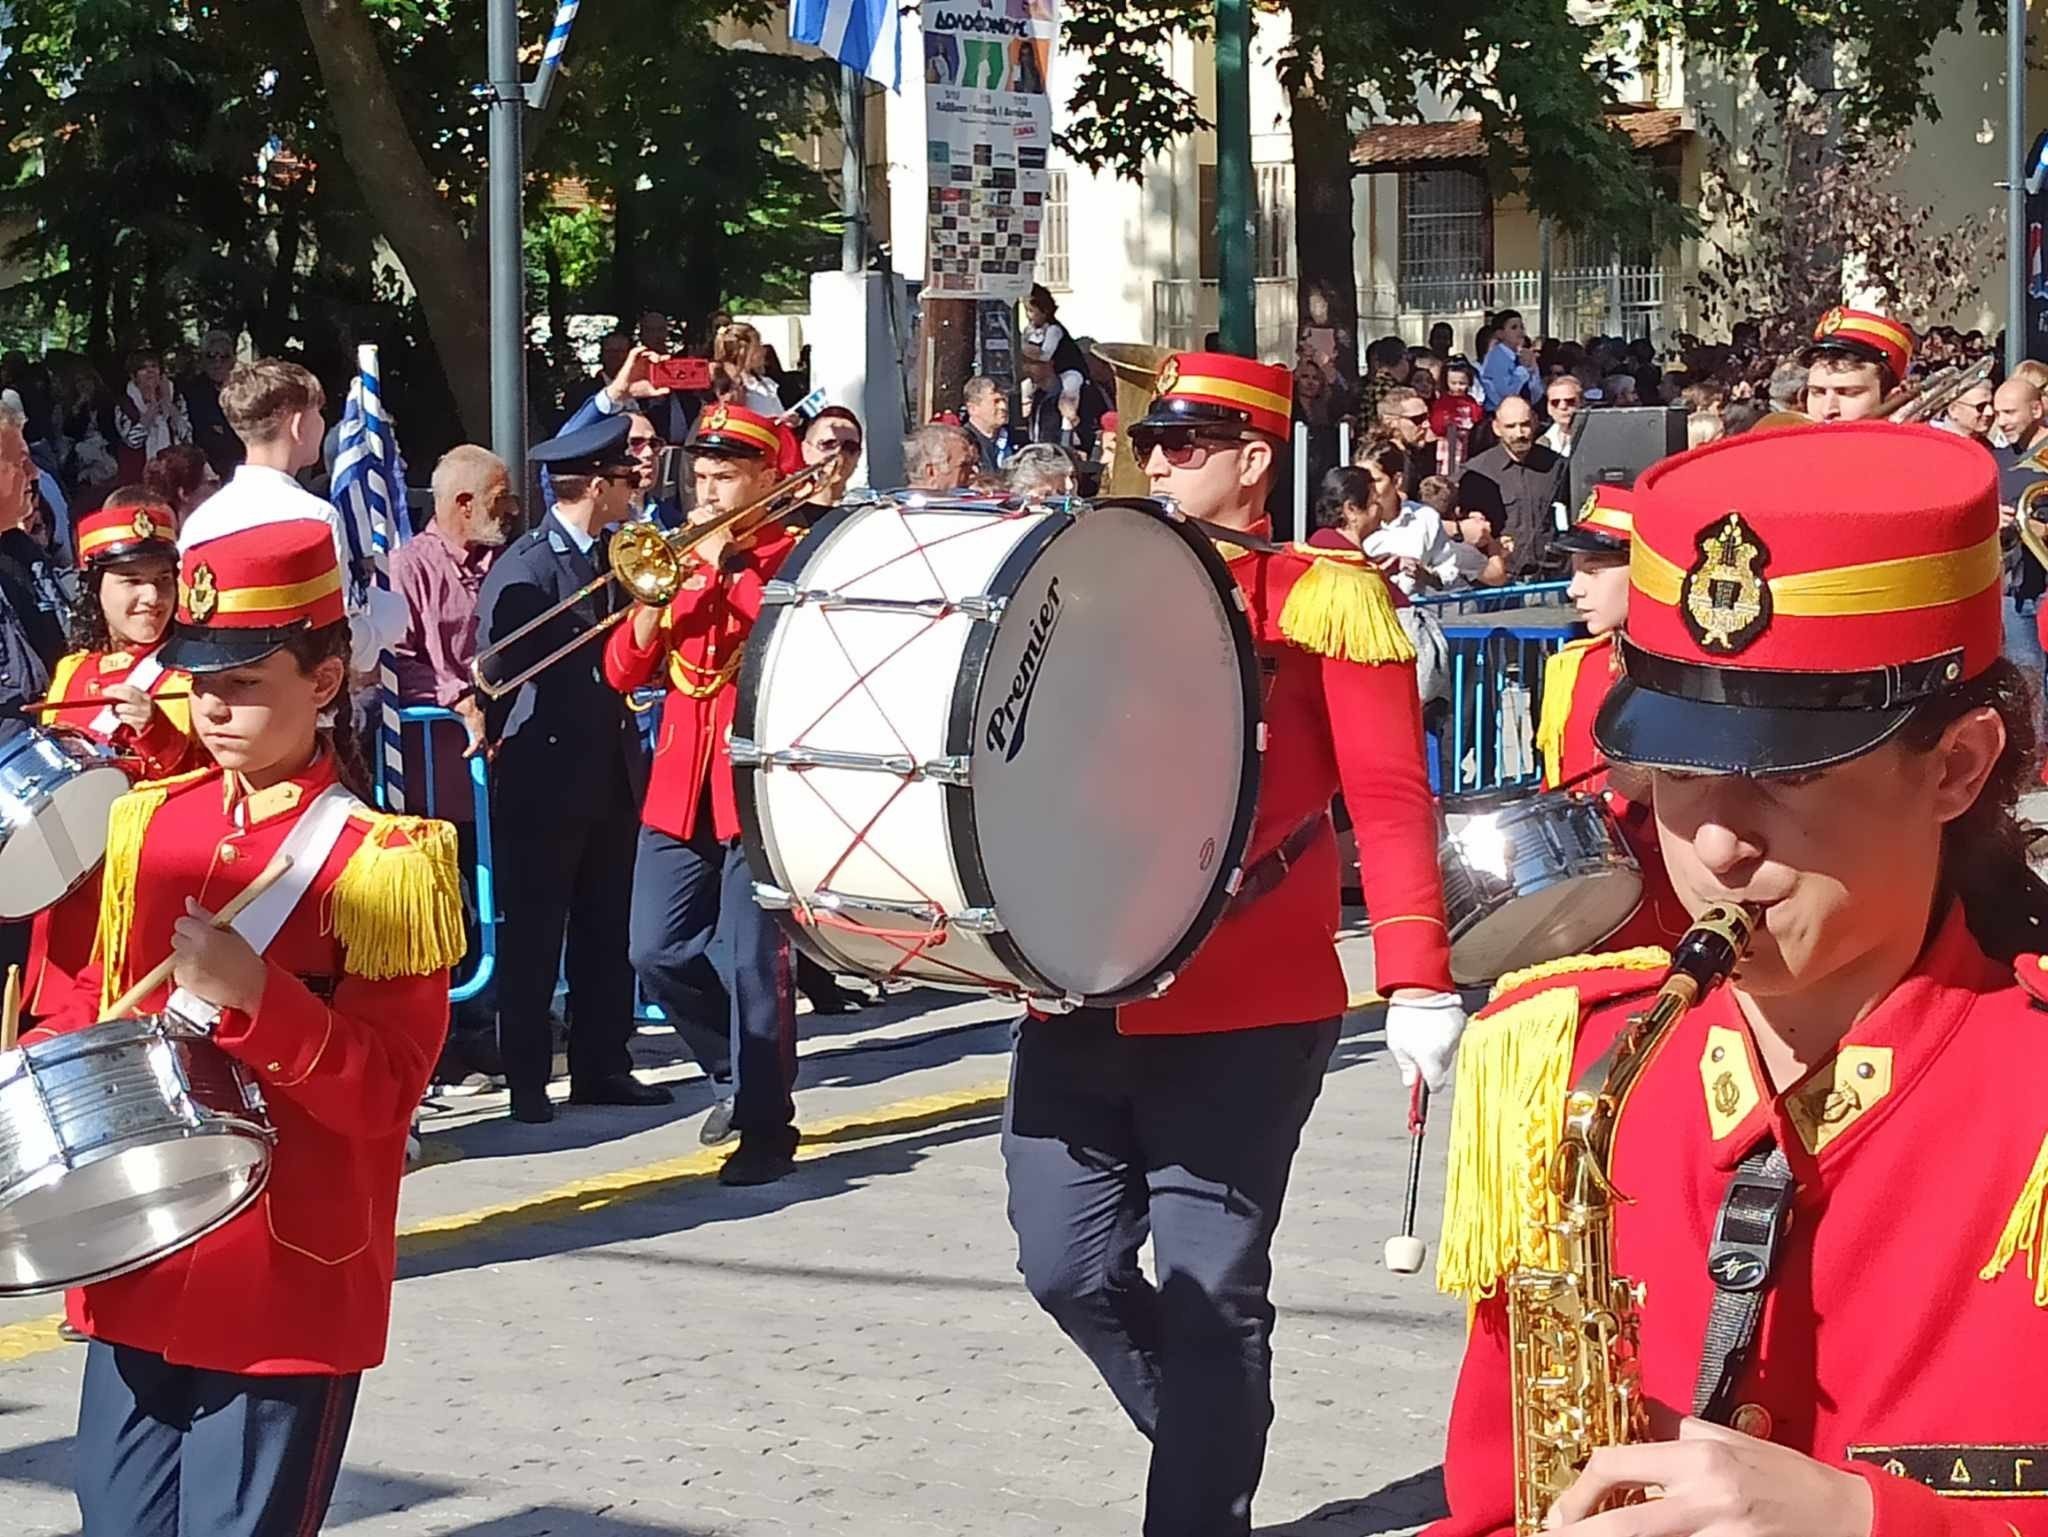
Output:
x=272 y=327
x=627 y=299
x=417 y=221
x=1326 y=273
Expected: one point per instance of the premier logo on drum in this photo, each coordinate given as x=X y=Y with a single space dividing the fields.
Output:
x=1005 y=730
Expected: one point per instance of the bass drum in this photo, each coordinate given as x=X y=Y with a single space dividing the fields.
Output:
x=1531 y=878
x=1001 y=749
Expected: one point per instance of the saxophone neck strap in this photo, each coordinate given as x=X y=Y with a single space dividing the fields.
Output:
x=1749 y=1234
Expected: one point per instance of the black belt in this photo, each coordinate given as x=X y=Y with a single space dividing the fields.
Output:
x=1270 y=868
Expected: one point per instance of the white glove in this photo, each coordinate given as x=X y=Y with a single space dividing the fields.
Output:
x=1422 y=1033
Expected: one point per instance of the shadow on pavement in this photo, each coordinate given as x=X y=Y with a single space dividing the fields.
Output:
x=565 y=1521
x=661 y=1206
x=1406 y=1503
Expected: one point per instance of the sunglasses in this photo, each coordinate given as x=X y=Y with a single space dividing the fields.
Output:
x=1184 y=447
x=643 y=445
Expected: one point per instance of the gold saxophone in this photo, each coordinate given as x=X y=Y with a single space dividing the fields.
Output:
x=1572 y=1331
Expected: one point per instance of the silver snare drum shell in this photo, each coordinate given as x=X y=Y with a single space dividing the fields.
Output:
x=119 y=1144
x=56 y=788
x=1531 y=878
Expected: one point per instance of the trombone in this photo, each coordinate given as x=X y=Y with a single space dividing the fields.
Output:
x=650 y=563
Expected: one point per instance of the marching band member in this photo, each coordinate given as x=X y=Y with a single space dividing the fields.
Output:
x=1814 y=686
x=1179 y=1117
x=704 y=950
x=1576 y=680
x=128 y=553
x=1857 y=358
x=221 y=1380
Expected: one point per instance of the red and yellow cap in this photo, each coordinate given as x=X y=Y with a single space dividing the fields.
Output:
x=1795 y=595
x=1866 y=336
x=127 y=527
x=241 y=596
x=1606 y=523
x=1196 y=389
x=734 y=431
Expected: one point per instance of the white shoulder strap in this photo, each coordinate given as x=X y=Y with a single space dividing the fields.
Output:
x=307 y=845
x=142 y=675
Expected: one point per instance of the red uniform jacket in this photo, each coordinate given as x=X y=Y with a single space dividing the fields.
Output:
x=1904 y=1336
x=700 y=638
x=1331 y=723
x=352 y=1018
x=1575 y=684
x=60 y=940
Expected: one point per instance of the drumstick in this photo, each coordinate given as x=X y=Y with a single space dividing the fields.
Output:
x=10 y=1010
x=1404 y=1253
x=100 y=704
x=273 y=872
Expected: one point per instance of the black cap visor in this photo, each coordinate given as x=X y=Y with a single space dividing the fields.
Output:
x=1662 y=731
x=133 y=551
x=196 y=648
x=1847 y=348
x=1590 y=541
x=1173 y=411
x=1670 y=714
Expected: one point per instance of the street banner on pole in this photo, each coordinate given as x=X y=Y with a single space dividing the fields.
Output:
x=988 y=129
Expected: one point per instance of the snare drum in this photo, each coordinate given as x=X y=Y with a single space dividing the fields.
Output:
x=1530 y=878
x=1008 y=750
x=56 y=788
x=119 y=1144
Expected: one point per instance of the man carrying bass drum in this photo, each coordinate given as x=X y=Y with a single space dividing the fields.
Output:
x=1179 y=1117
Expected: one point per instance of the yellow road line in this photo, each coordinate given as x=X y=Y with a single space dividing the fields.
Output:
x=1364 y=1000
x=38 y=1336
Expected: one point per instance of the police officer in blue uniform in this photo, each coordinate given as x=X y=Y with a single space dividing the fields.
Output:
x=567 y=777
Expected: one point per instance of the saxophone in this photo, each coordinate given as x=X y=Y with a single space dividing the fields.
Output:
x=1572 y=1331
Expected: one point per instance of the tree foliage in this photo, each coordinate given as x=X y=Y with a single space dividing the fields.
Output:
x=1783 y=226
x=314 y=174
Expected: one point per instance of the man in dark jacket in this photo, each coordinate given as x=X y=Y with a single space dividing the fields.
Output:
x=568 y=773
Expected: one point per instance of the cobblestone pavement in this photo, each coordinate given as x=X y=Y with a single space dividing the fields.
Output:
x=591 y=1337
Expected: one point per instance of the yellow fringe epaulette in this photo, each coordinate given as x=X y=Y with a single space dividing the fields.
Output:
x=127 y=822
x=1343 y=608
x=1514 y=1070
x=1560 y=683
x=2022 y=1233
x=397 y=906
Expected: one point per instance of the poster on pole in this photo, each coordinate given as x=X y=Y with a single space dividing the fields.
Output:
x=988 y=129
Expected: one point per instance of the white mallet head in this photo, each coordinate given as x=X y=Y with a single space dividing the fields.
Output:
x=1404 y=1254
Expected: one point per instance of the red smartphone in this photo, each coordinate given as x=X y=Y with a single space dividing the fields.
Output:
x=680 y=373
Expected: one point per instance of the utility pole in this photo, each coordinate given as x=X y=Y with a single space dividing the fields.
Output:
x=1237 y=319
x=507 y=99
x=853 y=170
x=2015 y=184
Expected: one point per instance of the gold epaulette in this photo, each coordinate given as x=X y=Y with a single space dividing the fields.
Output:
x=127 y=822
x=1514 y=1070
x=2022 y=1232
x=1560 y=684
x=397 y=906
x=1342 y=607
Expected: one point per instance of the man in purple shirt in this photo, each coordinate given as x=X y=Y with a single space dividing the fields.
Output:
x=439 y=574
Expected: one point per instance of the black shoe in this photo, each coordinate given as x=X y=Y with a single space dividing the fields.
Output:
x=618 y=1089
x=534 y=1109
x=761 y=1159
x=835 y=1000
x=717 y=1125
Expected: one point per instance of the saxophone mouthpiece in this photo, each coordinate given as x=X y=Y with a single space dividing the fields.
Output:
x=1711 y=949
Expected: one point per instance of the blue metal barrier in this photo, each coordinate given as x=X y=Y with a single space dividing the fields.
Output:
x=1497 y=639
x=483 y=884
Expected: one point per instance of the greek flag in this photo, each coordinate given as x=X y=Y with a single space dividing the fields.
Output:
x=369 y=490
x=861 y=34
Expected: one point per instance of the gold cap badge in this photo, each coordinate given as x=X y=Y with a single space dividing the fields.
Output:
x=143 y=524
x=1725 y=600
x=1169 y=375
x=717 y=420
x=202 y=597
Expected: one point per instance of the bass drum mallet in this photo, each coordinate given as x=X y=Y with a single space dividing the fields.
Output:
x=1405 y=1251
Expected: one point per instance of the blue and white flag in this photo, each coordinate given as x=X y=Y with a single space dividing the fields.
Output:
x=369 y=490
x=861 y=34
